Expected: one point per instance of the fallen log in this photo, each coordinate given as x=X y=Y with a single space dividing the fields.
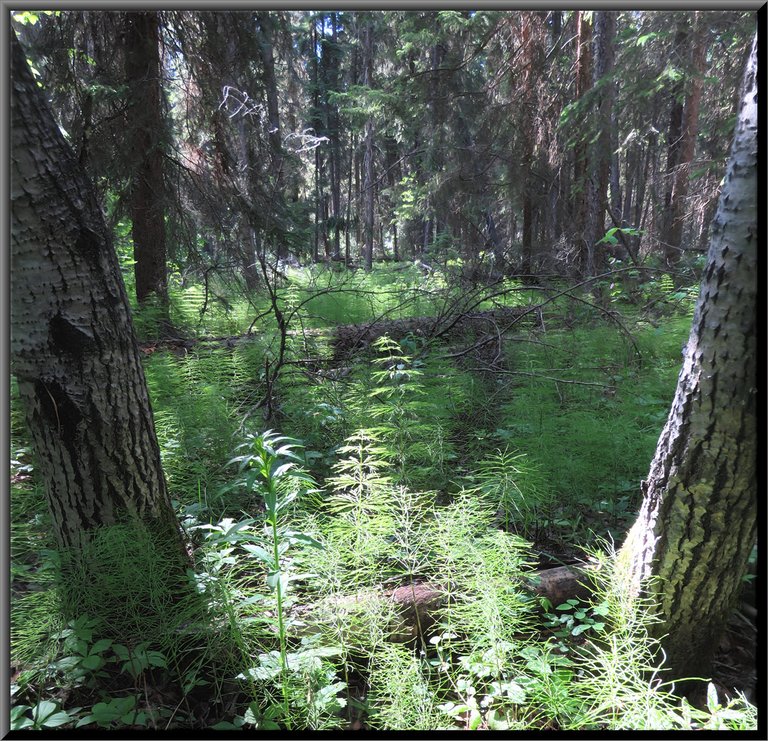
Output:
x=414 y=608
x=561 y=583
x=347 y=338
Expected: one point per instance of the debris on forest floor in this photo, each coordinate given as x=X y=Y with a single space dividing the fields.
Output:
x=734 y=666
x=416 y=604
x=346 y=338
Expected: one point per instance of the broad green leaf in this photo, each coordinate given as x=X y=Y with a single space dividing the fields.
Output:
x=43 y=710
x=57 y=719
x=155 y=658
x=92 y=662
x=18 y=719
x=304 y=539
x=262 y=554
x=100 y=646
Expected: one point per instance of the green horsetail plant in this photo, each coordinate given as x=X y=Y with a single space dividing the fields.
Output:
x=398 y=404
x=358 y=477
x=360 y=506
x=511 y=482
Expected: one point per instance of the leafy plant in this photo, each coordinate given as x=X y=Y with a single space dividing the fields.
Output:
x=575 y=618
x=46 y=714
x=139 y=658
x=269 y=468
x=611 y=238
x=82 y=658
x=254 y=716
x=114 y=712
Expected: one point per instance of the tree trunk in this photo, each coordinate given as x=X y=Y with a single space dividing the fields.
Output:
x=673 y=237
x=348 y=213
x=697 y=523
x=144 y=139
x=556 y=18
x=368 y=185
x=599 y=166
x=630 y=175
x=529 y=41
x=72 y=345
x=395 y=249
x=641 y=207
x=266 y=35
x=674 y=133
x=334 y=134
x=580 y=161
x=318 y=157
x=368 y=190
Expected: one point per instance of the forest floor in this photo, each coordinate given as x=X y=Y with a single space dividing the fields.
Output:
x=468 y=463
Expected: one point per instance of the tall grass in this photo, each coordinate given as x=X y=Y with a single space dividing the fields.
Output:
x=592 y=443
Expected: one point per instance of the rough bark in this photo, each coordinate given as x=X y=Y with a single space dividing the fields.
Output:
x=581 y=160
x=673 y=237
x=72 y=345
x=600 y=155
x=144 y=140
x=368 y=184
x=697 y=523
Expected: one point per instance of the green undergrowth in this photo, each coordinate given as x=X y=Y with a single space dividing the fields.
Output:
x=417 y=475
x=321 y=297
x=588 y=410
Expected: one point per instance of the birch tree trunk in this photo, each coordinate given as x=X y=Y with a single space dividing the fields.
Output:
x=697 y=523
x=72 y=345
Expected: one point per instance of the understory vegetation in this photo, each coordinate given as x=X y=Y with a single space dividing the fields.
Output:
x=366 y=558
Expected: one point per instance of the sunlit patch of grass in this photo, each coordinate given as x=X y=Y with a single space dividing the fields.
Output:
x=593 y=443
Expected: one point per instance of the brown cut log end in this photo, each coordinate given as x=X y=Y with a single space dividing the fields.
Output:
x=560 y=584
x=417 y=605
